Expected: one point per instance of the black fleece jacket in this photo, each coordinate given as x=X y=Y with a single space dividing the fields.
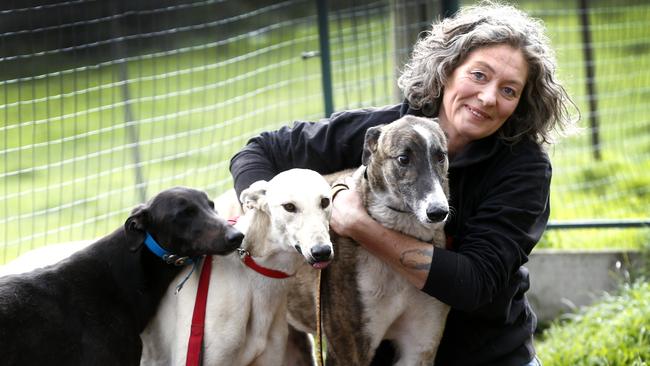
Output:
x=500 y=207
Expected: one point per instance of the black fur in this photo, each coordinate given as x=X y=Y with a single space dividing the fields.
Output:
x=90 y=308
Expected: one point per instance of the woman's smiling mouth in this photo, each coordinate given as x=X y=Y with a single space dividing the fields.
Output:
x=477 y=112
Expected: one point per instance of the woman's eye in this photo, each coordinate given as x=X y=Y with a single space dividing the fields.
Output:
x=478 y=75
x=289 y=207
x=509 y=92
x=403 y=159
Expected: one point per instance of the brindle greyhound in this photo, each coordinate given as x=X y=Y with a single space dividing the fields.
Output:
x=403 y=185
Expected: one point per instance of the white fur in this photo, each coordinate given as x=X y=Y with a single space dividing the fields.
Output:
x=436 y=197
x=409 y=317
x=246 y=320
x=426 y=135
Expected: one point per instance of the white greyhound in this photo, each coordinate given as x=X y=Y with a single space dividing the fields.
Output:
x=286 y=223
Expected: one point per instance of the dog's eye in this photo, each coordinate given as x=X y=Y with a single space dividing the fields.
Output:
x=289 y=207
x=211 y=203
x=324 y=203
x=189 y=211
x=441 y=156
x=403 y=159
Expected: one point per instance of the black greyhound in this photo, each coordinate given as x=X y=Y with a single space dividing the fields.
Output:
x=90 y=308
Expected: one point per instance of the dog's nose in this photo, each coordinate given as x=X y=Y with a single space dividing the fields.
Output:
x=321 y=252
x=234 y=238
x=437 y=214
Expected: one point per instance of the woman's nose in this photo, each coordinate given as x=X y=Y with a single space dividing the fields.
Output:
x=488 y=95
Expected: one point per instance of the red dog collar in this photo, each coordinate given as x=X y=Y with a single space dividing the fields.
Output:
x=268 y=272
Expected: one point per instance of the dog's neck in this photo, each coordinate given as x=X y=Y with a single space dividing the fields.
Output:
x=261 y=242
x=147 y=276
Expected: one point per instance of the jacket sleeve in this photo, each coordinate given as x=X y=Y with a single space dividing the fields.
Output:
x=496 y=237
x=326 y=146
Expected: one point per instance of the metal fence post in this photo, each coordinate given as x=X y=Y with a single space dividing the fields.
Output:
x=591 y=77
x=325 y=60
x=131 y=131
x=410 y=19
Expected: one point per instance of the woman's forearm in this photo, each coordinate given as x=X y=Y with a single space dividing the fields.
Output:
x=408 y=256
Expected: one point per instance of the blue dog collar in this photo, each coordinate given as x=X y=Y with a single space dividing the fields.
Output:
x=168 y=257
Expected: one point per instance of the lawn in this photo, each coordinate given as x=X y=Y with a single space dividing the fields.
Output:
x=81 y=147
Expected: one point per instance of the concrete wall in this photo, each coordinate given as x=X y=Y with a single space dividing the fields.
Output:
x=563 y=280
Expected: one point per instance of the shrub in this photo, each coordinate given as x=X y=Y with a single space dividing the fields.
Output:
x=614 y=331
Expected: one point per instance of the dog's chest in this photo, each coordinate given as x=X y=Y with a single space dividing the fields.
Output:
x=377 y=281
x=392 y=307
x=248 y=314
x=384 y=291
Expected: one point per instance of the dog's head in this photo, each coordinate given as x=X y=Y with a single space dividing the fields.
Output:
x=407 y=166
x=183 y=221
x=297 y=204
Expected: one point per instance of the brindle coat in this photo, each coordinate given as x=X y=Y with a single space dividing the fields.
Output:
x=403 y=184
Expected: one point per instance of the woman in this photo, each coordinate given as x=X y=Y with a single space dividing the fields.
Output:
x=488 y=74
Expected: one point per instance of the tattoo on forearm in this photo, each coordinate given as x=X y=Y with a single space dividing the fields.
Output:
x=419 y=259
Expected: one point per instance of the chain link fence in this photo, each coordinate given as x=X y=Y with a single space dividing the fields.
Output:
x=103 y=104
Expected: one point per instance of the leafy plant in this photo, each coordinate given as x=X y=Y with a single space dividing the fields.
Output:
x=615 y=331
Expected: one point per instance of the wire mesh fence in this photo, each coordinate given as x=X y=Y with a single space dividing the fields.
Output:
x=102 y=104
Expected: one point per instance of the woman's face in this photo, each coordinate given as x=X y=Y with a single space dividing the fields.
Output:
x=482 y=93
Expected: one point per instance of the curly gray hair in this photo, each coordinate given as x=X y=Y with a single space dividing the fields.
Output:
x=542 y=108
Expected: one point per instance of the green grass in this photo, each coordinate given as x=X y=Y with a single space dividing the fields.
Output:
x=67 y=150
x=68 y=165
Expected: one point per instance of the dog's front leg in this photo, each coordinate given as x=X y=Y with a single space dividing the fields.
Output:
x=342 y=316
x=421 y=330
x=299 y=348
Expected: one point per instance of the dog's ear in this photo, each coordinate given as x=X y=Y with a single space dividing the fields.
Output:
x=254 y=197
x=134 y=227
x=370 y=143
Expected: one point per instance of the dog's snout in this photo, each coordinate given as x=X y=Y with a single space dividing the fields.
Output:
x=437 y=214
x=234 y=238
x=321 y=252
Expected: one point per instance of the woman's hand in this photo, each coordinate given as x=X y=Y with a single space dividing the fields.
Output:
x=347 y=210
x=407 y=255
